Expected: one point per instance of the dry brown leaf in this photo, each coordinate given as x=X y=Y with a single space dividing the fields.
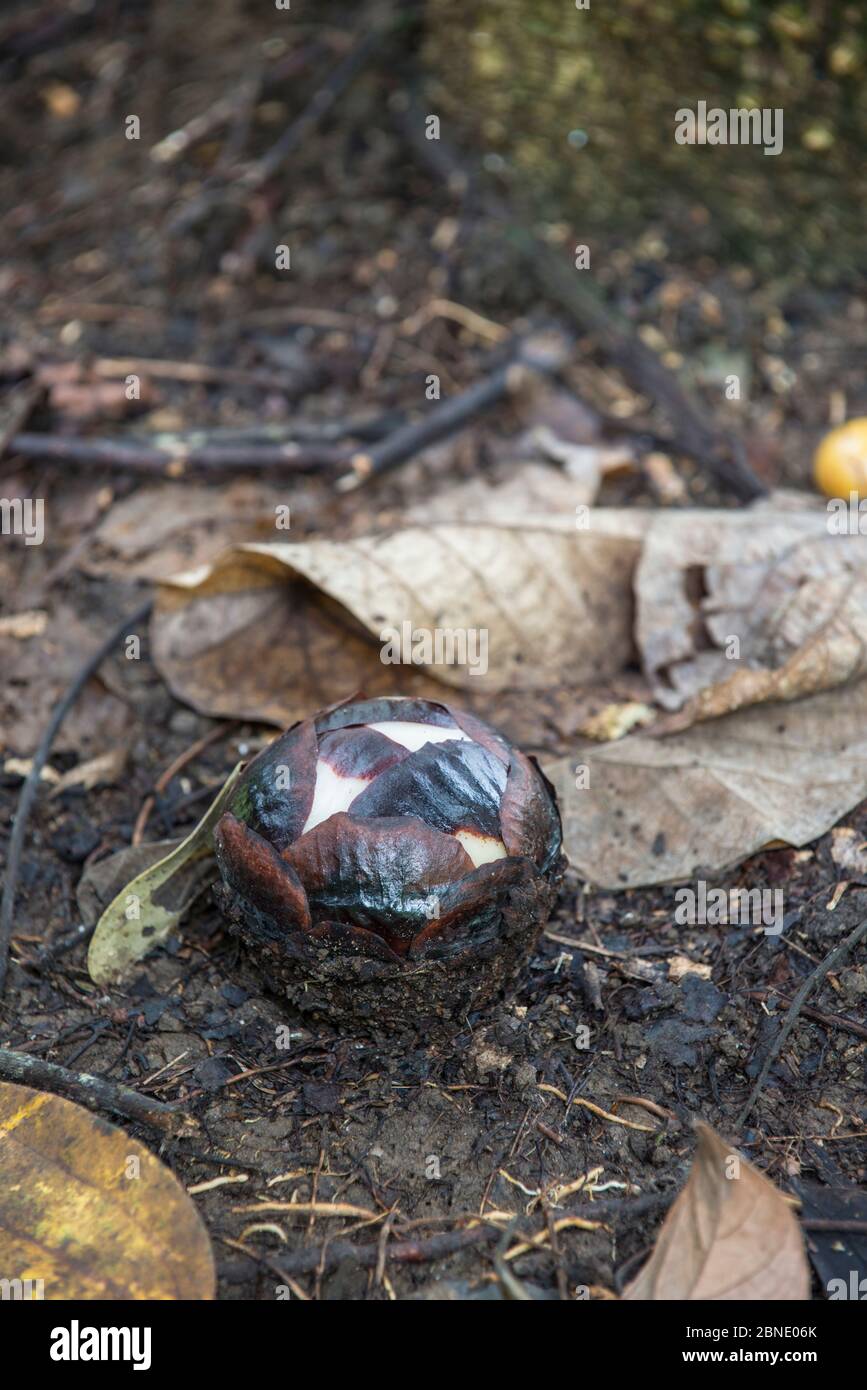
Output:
x=149 y=536
x=272 y=631
x=531 y=494
x=730 y=1235
x=90 y=1211
x=738 y=608
x=662 y=810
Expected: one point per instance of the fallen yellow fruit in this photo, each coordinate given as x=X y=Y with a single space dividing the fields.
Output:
x=840 y=465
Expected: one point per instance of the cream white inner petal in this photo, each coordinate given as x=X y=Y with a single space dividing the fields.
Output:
x=482 y=849
x=412 y=735
x=331 y=794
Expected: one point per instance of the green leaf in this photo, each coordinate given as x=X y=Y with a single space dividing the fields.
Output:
x=144 y=912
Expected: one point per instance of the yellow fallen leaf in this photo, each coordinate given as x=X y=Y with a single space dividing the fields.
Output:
x=91 y=1212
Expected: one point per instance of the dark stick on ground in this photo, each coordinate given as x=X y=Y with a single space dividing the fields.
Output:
x=371 y=36
x=324 y=1258
x=814 y=979
x=46 y=955
x=848 y=1025
x=178 y=462
x=539 y=354
x=93 y=1091
x=821 y=1223
x=367 y=427
x=31 y=782
x=714 y=452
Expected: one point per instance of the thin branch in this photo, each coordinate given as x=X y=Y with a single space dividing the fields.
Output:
x=31 y=782
x=93 y=1091
x=372 y=31
x=814 y=979
x=198 y=373
x=323 y=1258
x=536 y=353
x=848 y=1025
x=339 y=79
x=177 y=461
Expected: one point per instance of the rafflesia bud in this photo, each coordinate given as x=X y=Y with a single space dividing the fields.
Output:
x=390 y=861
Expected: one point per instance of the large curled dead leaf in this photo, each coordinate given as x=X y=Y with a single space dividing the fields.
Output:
x=91 y=1212
x=729 y=1235
x=146 y=908
x=661 y=810
x=271 y=632
x=548 y=603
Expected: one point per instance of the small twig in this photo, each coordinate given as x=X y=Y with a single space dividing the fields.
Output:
x=31 y=782
x=548 y=1132
x=444 y=419
x=578 y=944
x=225 y=110
x=325 y=1258
x=300 y=431
x=199 y=373
x=93 y=1091
x=512 y=1287
x=533 y=354
x=324 y=98
x=833 y=1223
x=832 y=960
x=177 y=462
x=174 y=767
x=339 y=79
x=61 y=944
x=848 y=1025
x=594 y=1109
